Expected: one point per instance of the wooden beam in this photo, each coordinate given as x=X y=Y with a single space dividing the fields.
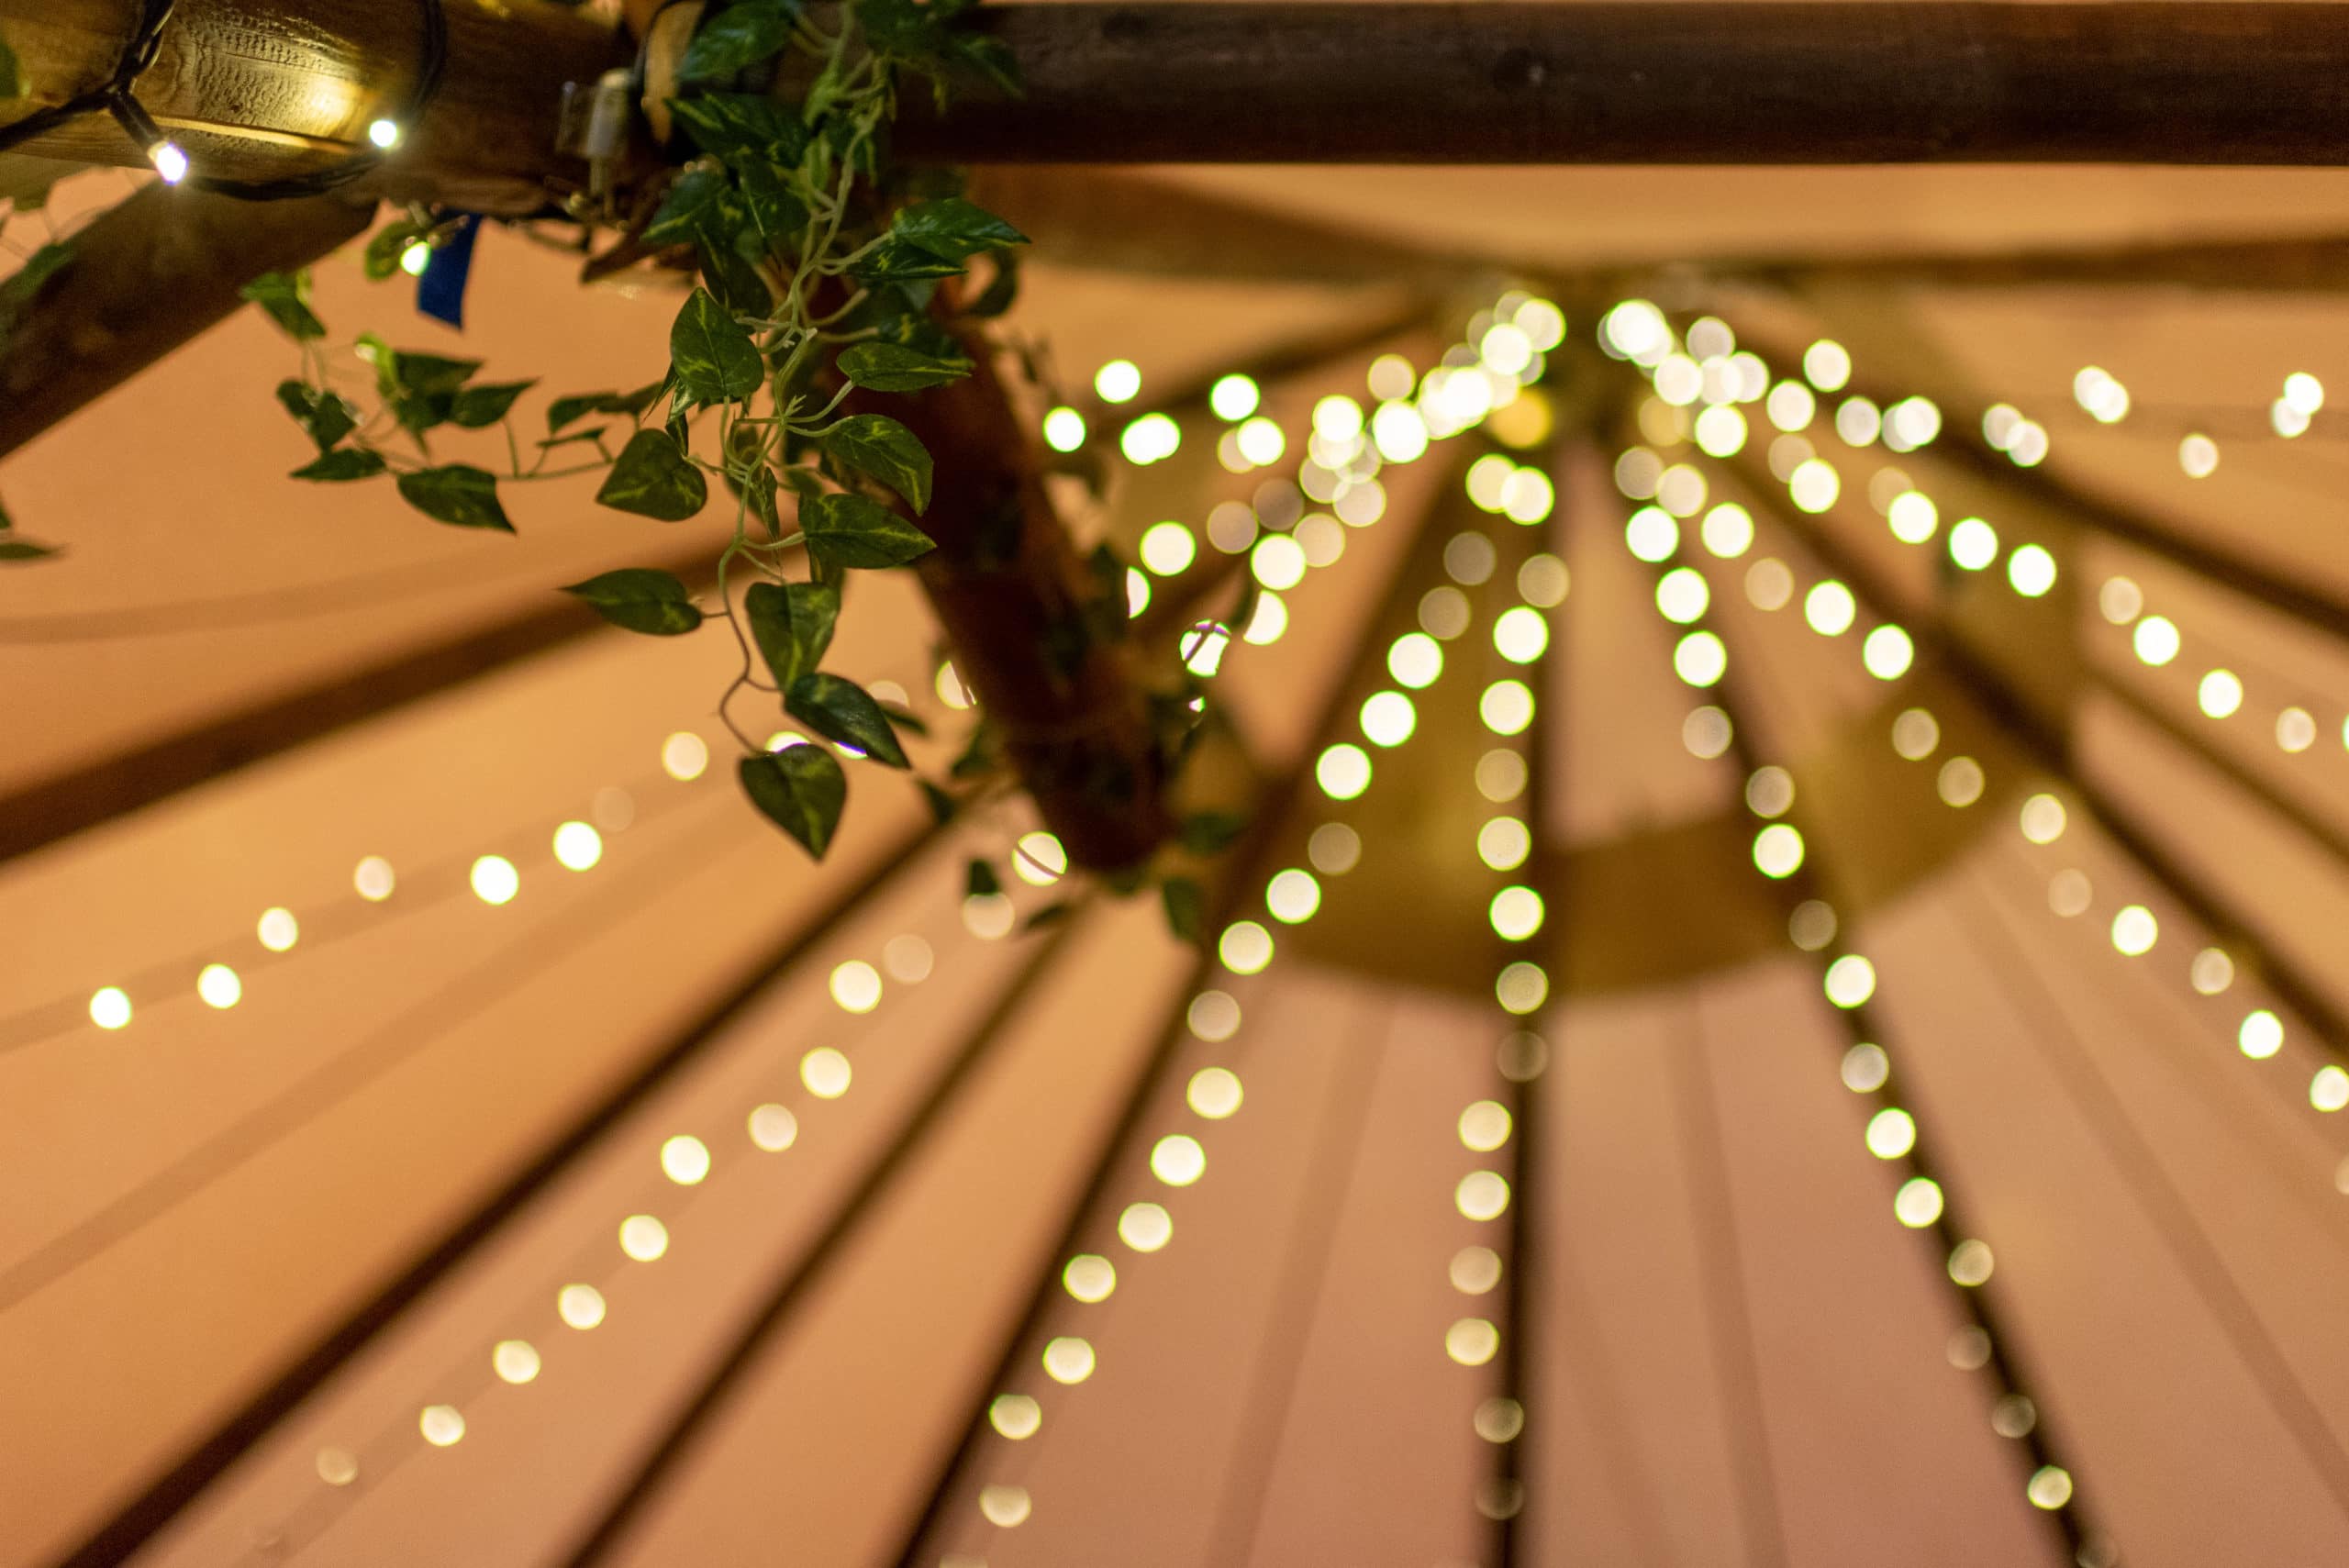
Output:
x=2294 y=264
x=145 y=278
x=1753 y=81
x=1114 y=220
x=55 y=807
x=264 y=89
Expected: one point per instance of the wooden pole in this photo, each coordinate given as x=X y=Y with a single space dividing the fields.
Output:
x=259 y=87
x=1742 y=82
x=265 y=89
x=1011 y=594
x=145 y=278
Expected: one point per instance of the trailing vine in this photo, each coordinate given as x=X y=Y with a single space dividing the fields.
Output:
x=825 y=274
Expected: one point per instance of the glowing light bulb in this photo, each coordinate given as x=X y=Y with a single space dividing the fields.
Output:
x=384 y=133
x=1117 y=380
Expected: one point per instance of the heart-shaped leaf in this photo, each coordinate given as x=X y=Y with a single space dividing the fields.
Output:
x=569 y=410
x=878 y=446
x=749 y=126
x=792 y=623
x=285 y=297
x=849 y=531
x=478 y=407
x=802 y=790
x=428 y=375
x=692 y=197
x=952 y=228
x=458 y=494
x=640 y=600
x=654 y=479
x=327 y=415
x=341 y=467
x=839 y=709
x=737 y=39
x=893 y=367
x=714 y=358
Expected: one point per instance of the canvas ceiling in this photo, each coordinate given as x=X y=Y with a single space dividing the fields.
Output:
x=196 y=1200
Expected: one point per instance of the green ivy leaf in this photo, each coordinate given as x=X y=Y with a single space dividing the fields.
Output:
x=737 y=39
x=285 y=297
x=458 y=494
x=877 y=445
x=654 y=478
x=895 y=261
x=839 y=709
x=749 y=126
x=388 y=248
x=1185 y=907
x=849 y=531
x=906 y=720
x=640 y=599
x=952 y=229
x=714 y=358
x=980 y=881
x=578 y=405
x=802 y=790
x=792 y=623
x=893 y=367
x=776 y=217
x=477 y=408
x=341 y=467
x=327 y=415
x=428 y=375
x=1211 y=832
x=691 y=198
x=727 y=271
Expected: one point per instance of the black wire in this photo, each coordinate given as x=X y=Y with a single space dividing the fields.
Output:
x=138 y=54
x=145 y=41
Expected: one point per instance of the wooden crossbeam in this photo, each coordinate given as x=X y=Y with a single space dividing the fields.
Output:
x=1751 y=81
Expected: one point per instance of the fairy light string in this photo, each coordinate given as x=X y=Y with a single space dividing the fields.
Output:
x=2260 y=1033
x=1896 y=1133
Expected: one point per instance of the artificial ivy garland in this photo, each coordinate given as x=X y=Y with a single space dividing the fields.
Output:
x=821 y=272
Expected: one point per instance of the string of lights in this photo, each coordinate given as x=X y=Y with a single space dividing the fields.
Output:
x=1895 y=1134
x=1515 y=772
x=1831 y=609
x=494 y=876
x=1243 y=950
x=1961 y=782
x=1343 y=771
x=689 y=1167
x=117 y=97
